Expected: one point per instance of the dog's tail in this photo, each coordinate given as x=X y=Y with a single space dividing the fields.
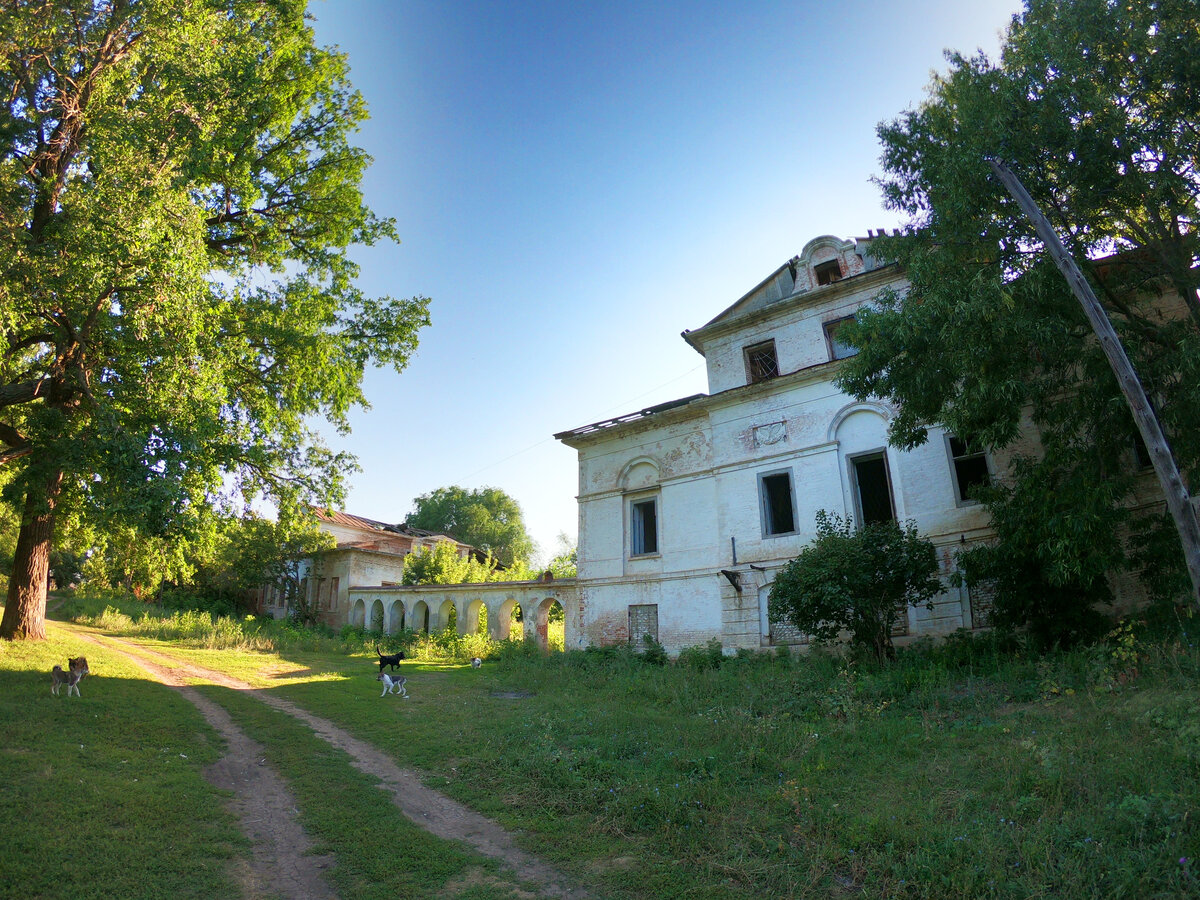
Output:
x=377 y=650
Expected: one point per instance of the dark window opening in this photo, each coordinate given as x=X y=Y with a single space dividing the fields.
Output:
x=838 y=349
x=1141 y=453
x=779 y=517
x=970 y=469
x=828 y=272
x=761 y=362
x=644 y=528
x=874 y=492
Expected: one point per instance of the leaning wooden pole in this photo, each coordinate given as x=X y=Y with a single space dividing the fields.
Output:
x=1175 y=491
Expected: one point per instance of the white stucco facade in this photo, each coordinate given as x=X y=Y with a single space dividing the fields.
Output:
x=684 y=507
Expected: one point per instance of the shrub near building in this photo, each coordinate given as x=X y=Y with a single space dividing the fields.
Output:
x=856 y=581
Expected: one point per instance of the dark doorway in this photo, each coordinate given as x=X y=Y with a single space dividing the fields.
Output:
x=873 y=489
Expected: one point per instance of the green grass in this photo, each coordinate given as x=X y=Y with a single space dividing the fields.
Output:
x=962 y=771
x=379 y=852
x=104 y=794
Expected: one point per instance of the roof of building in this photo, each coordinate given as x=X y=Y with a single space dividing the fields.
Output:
x=352 y=521
x=628 y=417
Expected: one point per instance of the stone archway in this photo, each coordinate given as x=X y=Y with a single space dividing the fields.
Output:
x=548 y=637
x=420 y=616
x=475 y=618
x=508 y=624
x=447 y=614
x=375 y=619
x=395 y=617
x=358 y=614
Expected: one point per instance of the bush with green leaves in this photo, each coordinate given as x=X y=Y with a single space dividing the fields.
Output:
x=856 y=580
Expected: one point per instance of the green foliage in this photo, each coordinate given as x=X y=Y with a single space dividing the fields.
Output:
x=178 y=304
x=1093 y=104
x=565 y=564
x=856 y=581
x=653 y=653
x=709 y=656
x=487 y=519
x=973 y=767
x=442 y=564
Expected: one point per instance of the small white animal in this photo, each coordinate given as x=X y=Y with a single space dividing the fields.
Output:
x=476 y=662
x=392 y=684
x=70 y=678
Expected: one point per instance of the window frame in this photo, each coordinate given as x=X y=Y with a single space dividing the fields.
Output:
x=827 y=266
x=948 y=439
x=636 y=529
x=751 y=348
x=856 y=488
x=830 y=328
x=1142 y=460
x=764 y=506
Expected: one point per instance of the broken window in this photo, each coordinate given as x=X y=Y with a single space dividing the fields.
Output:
x=838 y=349
x=970 y=469
x=828 y=272
x=872 y=488
x=778 y=511
x=761 y=362
x=643 y=527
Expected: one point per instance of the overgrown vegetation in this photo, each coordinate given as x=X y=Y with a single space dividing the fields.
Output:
x=214 y=631
x=1093 y=104
x=857 y=581
x=975 y=767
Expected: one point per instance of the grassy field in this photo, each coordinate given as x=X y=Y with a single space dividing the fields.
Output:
x=955 y=772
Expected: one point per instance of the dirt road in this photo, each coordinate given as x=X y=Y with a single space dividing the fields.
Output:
x=281 y=867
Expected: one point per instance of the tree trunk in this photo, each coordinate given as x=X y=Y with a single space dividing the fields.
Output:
x=25 y=609
x=1179 y=502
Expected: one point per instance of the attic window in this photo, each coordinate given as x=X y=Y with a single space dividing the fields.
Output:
x=828 y=272
x=761 y=362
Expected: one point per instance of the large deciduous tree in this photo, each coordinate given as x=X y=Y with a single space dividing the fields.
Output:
x=178 y=194
x=486 y=518
x=1096 y=105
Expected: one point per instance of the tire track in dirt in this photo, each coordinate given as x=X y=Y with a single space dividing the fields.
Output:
x=280 y=863
x=436 y=813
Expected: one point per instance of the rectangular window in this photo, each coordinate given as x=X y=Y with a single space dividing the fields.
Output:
x=970 y=469
x=643 y=527
x=980 y=599
x=643 y=622
x=838 y=349
x=1141 y=453
x=778 y=510
x=872 y=488
x=828 y=272
x=333 y=593
x=761 y=362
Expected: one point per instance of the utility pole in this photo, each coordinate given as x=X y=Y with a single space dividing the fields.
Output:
x=1175 y=491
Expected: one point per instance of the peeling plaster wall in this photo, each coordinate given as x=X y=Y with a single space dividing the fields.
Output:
x=703 y=462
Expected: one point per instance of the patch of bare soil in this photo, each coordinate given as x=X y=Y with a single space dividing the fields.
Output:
x=262 y=810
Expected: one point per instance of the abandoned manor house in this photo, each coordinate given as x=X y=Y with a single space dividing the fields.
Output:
x=687 y=509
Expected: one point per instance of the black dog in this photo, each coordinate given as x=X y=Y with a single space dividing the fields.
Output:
x=392 y=660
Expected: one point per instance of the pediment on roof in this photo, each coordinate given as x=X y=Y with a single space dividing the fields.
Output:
x=823 y=260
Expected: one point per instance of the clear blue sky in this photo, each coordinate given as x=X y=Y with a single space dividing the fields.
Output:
x=575 y=184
